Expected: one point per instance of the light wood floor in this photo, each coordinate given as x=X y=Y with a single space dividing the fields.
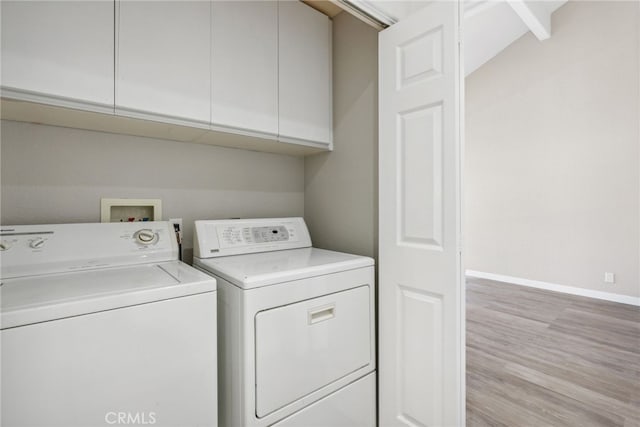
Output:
x=541 y=358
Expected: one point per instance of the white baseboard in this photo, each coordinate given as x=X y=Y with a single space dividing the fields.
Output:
x=608 y=296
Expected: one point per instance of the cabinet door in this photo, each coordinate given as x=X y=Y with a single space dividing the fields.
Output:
x=162 y=61
x=58 y=50
x=244 y=65
x=305 y=73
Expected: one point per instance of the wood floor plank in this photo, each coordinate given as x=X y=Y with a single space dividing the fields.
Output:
x=598 y=328
x=517 y=402
x=554 y=348
x=538 y=358
x=596 y=400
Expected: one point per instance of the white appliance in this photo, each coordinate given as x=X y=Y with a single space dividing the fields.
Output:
x=295 y=325
x=101 y=325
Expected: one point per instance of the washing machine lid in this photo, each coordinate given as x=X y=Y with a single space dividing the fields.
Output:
x=34 y=299
x=268 y=268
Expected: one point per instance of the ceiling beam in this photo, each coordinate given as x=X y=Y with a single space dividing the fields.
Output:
x=536 y=16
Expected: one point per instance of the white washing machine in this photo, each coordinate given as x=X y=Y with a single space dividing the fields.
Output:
x=296 y=333
x=102 y=325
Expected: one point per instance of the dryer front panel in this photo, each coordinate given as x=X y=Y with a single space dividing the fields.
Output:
x=305 y=346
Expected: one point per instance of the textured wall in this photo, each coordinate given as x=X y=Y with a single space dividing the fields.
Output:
x=58 y=175
x=552 y=153
x=341 y=187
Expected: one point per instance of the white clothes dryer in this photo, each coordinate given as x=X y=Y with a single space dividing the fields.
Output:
x=102 y=325
x=296 y=326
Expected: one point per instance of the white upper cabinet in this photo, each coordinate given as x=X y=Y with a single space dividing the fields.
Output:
x=244 y=65
x=58 y=52
x=305 y=110
x=254 y=74
x=163 y=59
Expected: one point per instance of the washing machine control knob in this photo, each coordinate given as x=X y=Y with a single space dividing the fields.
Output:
x=145 y=236
x=36 y=243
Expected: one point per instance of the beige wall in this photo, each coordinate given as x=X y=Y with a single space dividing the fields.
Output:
x=340 y=187
x=552 y=153
x=58 y=175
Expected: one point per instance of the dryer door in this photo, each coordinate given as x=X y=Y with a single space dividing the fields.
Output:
x=305 y=346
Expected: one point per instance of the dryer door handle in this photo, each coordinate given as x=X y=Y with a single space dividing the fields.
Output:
x=320 y=314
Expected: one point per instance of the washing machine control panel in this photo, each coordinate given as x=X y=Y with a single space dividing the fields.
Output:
x=23 y=242
x=44 y=249
x=232 y=237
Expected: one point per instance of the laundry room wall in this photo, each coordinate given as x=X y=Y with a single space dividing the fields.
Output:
x=58 y=175
x=341 y=186
x=552 y=167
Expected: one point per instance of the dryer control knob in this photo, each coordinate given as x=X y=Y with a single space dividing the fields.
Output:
x=145 y=236
x=5 y=246
x=37 y=243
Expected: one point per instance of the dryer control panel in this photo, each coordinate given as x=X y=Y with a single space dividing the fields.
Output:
x=241 y=236
x=233 y=235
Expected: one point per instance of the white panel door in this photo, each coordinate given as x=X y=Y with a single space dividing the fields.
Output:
x=421 y=296
x=244 y=65
x=305 y=105
x=163 y=59
x=59 y=49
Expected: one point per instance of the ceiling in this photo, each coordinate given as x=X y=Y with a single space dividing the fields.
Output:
x=327 y=7
x=489 y=25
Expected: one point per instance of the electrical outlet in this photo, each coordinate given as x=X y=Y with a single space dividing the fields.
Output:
x=609 y=277
x=177 y=221
x=177 y=225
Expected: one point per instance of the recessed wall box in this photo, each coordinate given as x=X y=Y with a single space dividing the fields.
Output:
x=129 y=210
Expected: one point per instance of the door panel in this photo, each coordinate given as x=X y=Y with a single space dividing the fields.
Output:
x=305 y=110
x=421 y=298
x=163 y=59
x=351 y=406
x=314 y=342
x=42 y=52
x=155 y=360
x=418 y=350
x=420 y=203
x=245 y=39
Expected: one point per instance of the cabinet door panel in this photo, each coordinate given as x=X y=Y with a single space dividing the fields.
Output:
x=244 y=65
x=163 y=58
x=60 y=49
x=305 y=73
